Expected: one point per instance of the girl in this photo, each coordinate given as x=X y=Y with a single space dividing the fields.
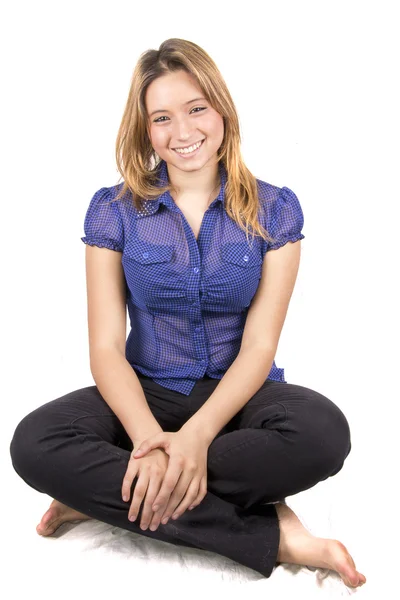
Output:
x=191 y=434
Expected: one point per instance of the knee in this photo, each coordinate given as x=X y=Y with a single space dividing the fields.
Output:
x=333 y=434
x=325 y=434
x=23 y=446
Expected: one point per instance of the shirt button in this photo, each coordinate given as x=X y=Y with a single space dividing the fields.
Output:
x=145 y=255
x=245 y=257
x=196 y=269
x=198 y=329
x=195 y=303
x=202 y=361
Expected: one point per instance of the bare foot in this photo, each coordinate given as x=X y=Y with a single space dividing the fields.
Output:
x=299 y=546
x=56 y=515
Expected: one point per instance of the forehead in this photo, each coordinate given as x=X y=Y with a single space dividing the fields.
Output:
x=173 y=89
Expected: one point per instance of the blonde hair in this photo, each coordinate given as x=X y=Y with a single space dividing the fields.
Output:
x=135 y=156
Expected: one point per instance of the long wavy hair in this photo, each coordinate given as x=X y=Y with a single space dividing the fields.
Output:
x=136 y=159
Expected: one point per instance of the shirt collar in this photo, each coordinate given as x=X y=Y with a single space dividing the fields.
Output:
x=149 y=207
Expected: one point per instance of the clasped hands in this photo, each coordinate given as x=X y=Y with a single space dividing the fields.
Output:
x=171 y=471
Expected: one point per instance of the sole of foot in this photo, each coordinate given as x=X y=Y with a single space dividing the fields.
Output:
x=298 y=546
x=56 y=515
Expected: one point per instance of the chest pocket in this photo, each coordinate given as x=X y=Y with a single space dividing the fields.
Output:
x=240 y=253
x=147 y=253
x=151 y=278
x=231 y=286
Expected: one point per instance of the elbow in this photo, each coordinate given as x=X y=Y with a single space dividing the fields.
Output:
x=260 y=348
x=101 y=353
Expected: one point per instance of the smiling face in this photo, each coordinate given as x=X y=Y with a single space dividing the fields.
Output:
x=185 y=118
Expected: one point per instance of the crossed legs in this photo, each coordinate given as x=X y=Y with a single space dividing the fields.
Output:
x=285 y=440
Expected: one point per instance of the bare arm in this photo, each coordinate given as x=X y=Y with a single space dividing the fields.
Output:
x=115 y=379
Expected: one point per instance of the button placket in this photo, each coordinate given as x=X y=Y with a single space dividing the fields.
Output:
x=198 y=334
x=195 y=317
x=195 y=274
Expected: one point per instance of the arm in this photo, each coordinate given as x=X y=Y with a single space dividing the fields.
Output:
x=115 y=379
x=261 y=334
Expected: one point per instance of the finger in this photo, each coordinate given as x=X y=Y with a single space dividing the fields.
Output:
x=189 y=497
x=157 y=514
x=201 y=495
x=138 y=495
x=171 y=478
x=187 y=485
x=152 y=490
x=129 y=476
x=156 y=441
x=156 y=519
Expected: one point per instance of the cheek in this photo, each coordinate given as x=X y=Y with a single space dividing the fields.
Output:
x=217 y=125
x=158 y=137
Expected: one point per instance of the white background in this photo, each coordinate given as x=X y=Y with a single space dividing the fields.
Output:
x=316 y=88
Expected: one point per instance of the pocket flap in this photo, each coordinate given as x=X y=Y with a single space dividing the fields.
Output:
x=146 y=253
x=240 y=253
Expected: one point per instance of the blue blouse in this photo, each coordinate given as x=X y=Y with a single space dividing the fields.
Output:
x=188 y=299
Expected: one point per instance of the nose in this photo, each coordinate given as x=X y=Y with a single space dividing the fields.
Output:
x=183 y=129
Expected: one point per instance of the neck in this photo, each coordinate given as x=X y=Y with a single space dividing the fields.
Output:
x=201 y=182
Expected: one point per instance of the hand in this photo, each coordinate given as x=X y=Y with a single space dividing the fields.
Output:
x=150 y=472
x=188 y=464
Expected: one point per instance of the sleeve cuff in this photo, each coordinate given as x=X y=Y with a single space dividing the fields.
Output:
x=293 y=238
x=110 y=244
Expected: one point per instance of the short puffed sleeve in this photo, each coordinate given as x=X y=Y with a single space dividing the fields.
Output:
x=103 y=224
x=286 y=219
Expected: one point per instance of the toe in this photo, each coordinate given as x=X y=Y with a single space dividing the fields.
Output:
x=46 y=525
x=46 y=518
x=352 y=580
x=40 y=529
x=48 y=530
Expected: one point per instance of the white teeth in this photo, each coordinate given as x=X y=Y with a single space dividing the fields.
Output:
x=188 y=150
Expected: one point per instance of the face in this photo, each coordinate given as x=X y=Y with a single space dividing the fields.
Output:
x=184 y=120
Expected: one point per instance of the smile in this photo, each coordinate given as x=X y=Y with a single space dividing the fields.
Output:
x=189 y=150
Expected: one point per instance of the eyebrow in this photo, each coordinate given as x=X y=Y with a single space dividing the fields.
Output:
x=186 y=103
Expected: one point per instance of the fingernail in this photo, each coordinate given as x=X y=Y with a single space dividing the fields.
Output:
x=132 y=517
x=125 y=498
x=164 y=521
x=175 y=516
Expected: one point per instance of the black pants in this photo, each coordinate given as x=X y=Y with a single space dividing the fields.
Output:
x=284 y=440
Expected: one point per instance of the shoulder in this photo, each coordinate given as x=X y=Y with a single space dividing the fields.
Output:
x=274 y=199
x=105 y=222
x=105 y=198
x=109 y=193
x=266 y=190
x=270 y=194
x=280 y=212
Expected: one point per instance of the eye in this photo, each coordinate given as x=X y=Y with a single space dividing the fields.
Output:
x=199 y=107
x=165 y=117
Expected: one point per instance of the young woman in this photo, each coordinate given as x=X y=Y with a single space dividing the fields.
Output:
x=205 y=257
